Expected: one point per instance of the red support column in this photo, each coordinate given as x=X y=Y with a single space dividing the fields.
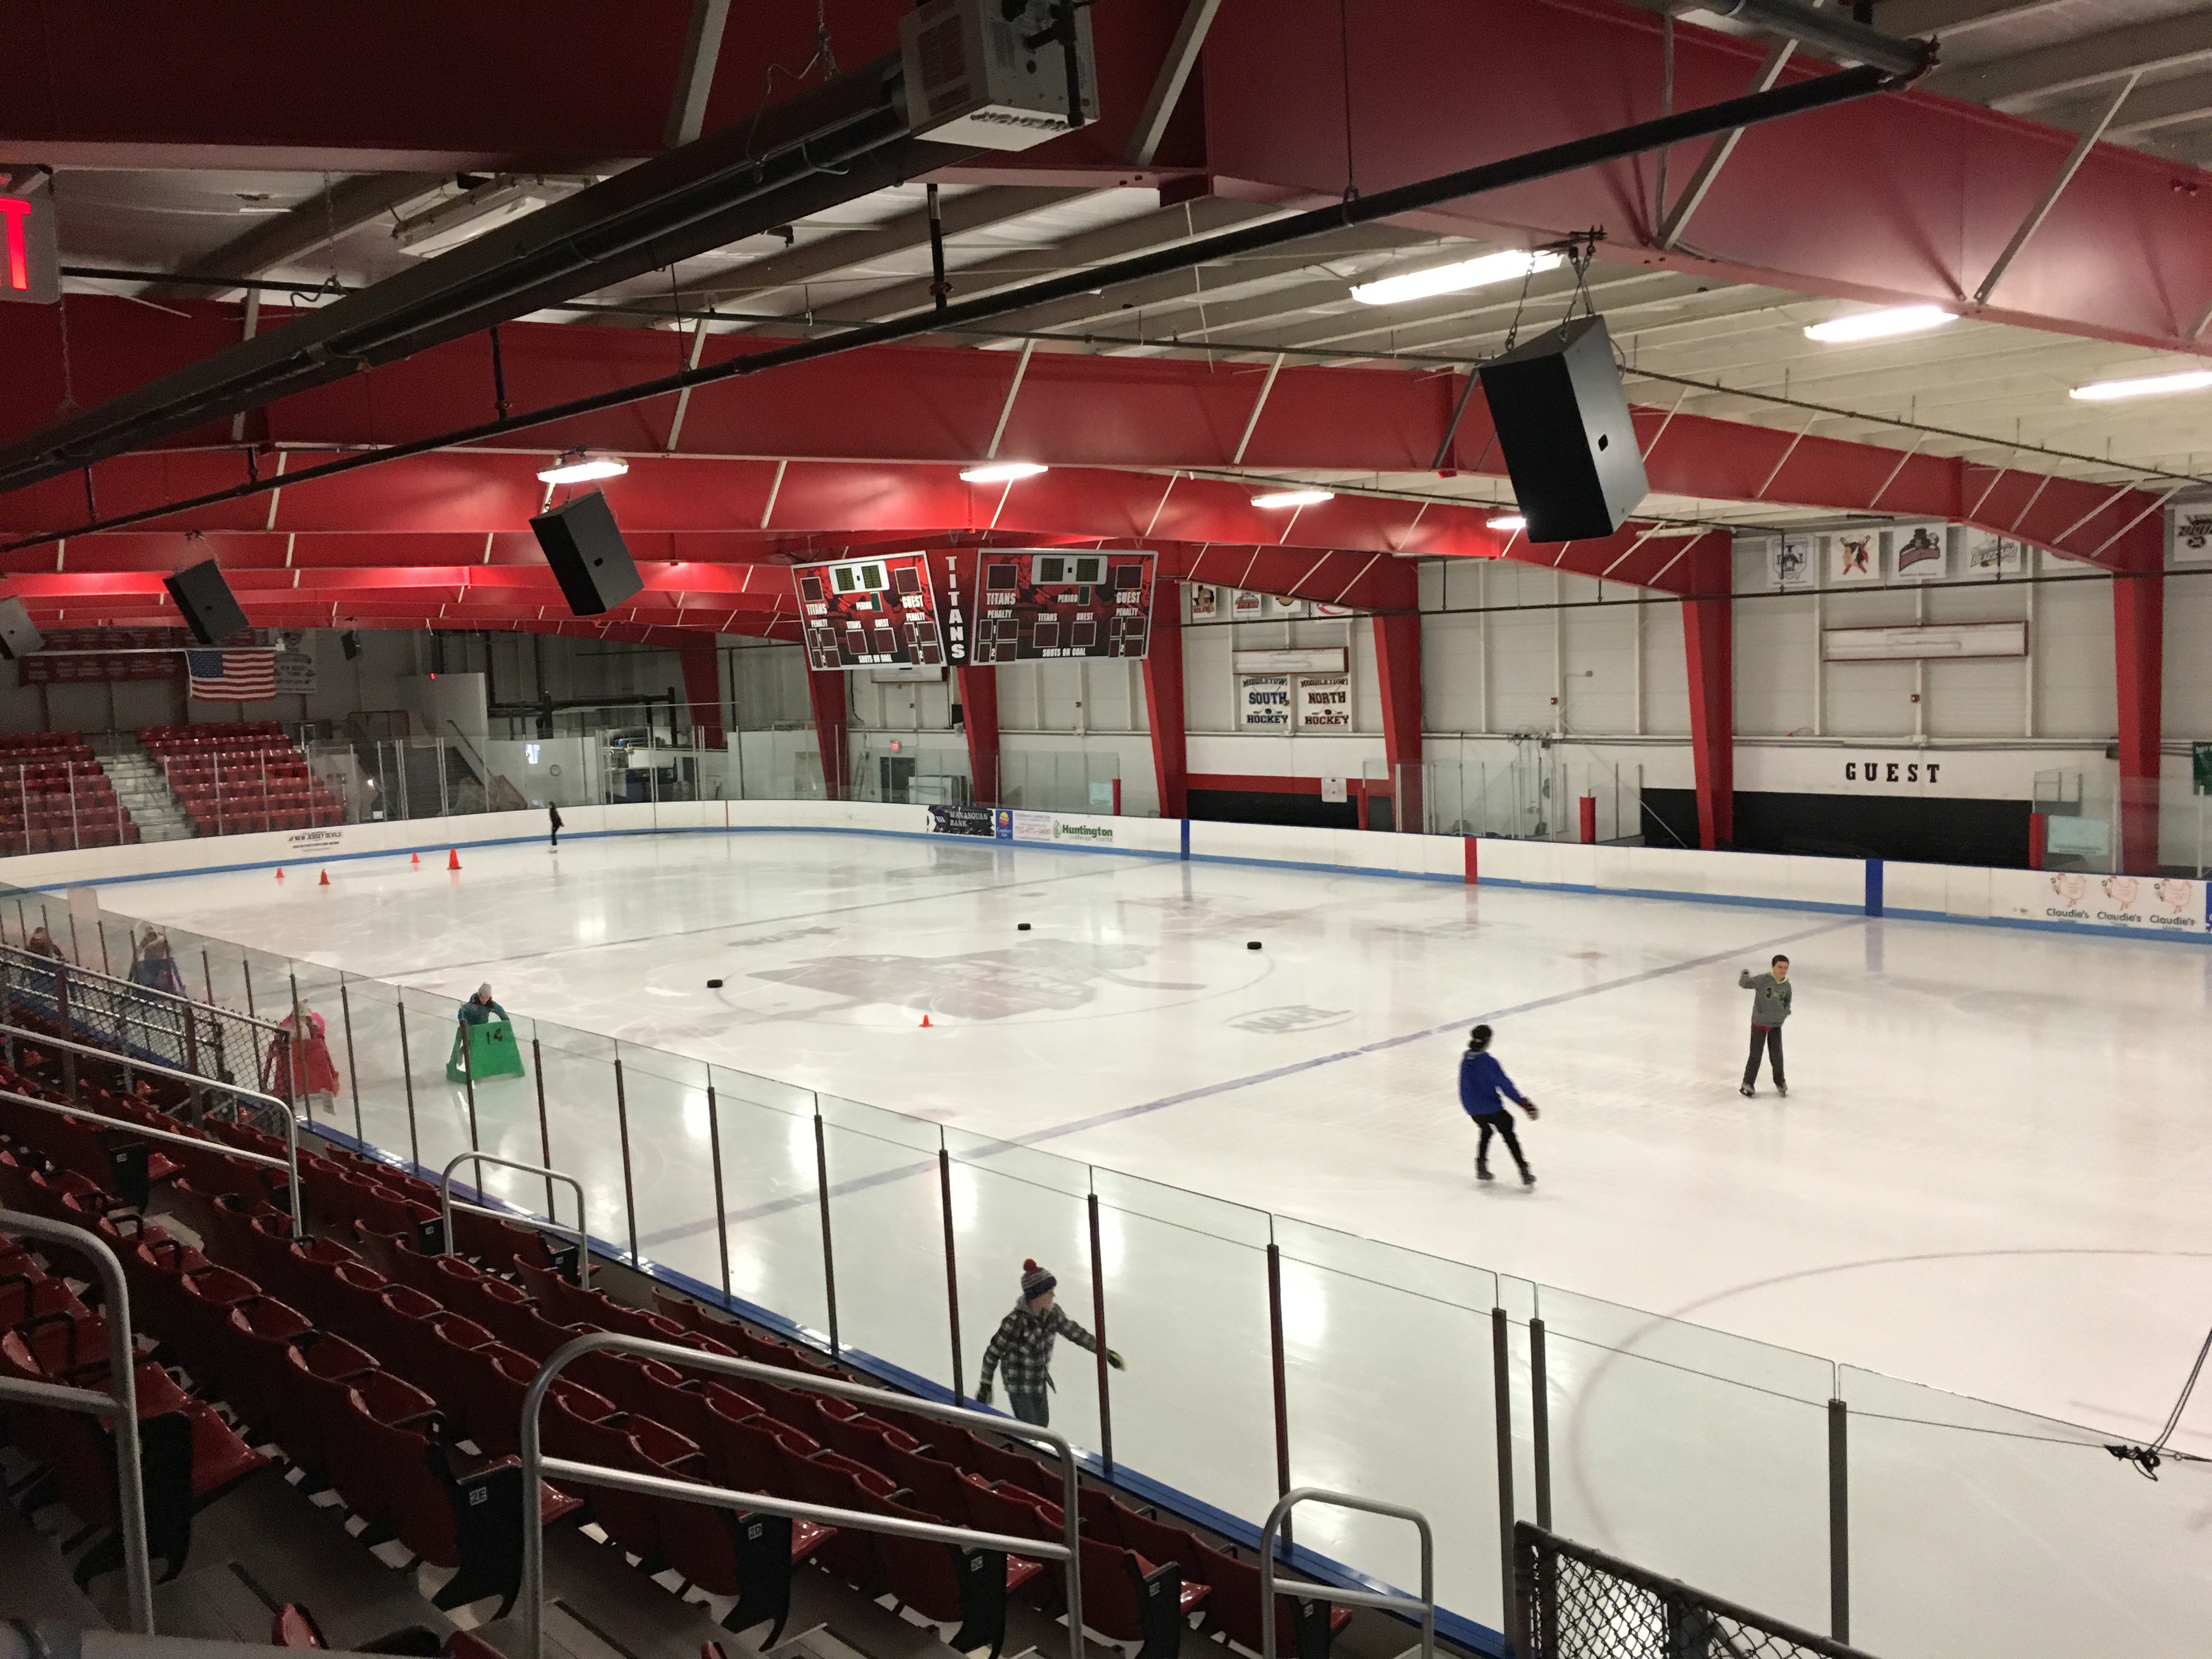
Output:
x=827 y=692
x=1398 y=663
x=701 y=662
x=1708 y=645
x=1163 y=705
x=978 y=689
x=2139 y=666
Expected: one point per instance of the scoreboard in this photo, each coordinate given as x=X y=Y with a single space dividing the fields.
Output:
x=872 y=612
x=1033 y=604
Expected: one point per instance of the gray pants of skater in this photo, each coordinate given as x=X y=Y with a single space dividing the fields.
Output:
x=1032 y=1408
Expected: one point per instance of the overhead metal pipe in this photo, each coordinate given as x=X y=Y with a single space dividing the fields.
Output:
x=1821 y=92
x=1831 y=34
x=831 y=144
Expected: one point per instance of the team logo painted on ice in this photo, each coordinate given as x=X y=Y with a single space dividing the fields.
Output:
x=1292 y=1017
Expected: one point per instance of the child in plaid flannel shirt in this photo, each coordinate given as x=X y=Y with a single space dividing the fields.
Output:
x=1022 y=1350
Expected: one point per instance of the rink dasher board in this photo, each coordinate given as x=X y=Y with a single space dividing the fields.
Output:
x=1968 y=894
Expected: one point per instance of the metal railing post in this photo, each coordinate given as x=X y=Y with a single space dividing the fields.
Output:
x=1501 y=1386
x=629 y=1187
x=1540 y=1420
x=1099 y=1325
x=952 y=1272
x=1278 y=1520
x=353 y=1071
x=407 y=1076
x=828 y=1251
x=544 y=1124
x=1281 y=1374
x=1839 y=1521
x=468 y=1083
x=121 y=1404
x=537 y=1469
x=721 y=1213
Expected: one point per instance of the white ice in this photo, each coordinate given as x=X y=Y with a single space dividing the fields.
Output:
x=1989 y=1178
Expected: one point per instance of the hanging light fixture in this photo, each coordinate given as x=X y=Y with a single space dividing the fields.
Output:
x=1001 y=471
x=583 y=466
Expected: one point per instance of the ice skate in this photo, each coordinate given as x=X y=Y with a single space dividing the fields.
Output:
x=1782 y=1089
x=1482 y=1171
x=1746 y=1091
x=1527 y=1177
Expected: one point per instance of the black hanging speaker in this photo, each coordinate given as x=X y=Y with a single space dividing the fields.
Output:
x=585 y=548
x=18 y=636
x=205 y=601
x=1562 y=421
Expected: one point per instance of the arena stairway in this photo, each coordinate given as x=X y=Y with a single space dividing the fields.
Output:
x=145 y=794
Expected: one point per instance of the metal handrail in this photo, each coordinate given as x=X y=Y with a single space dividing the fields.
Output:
x=122 y=1404
x=291 y=1122
x=536 y=1466
x=447 y=1202
x=1424 y=1604
x=289 y=1163
x=50 y=965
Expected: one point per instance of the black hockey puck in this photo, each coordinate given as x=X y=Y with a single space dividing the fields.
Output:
x=713 y=985
x=1021 y=928
x=1251 y=943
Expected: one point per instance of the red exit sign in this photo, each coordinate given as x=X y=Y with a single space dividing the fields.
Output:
x=30 y=252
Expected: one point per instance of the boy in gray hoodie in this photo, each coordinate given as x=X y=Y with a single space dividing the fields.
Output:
x=1769 y=1007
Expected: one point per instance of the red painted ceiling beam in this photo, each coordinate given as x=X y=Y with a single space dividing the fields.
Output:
x=934 y=405
x=1907 y=198
x=560 y=85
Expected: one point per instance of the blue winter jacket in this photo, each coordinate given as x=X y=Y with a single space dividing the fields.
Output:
x=1484 y=1088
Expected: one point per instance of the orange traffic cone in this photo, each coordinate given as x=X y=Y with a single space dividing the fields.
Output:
x=414 y=858
x=280 y=872
x=325 y=881
x=453 y=859
x=925 y=1022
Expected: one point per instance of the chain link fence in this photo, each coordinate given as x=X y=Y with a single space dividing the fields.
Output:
x=1573 y=1602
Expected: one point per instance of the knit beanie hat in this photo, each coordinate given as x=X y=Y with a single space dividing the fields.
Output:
x=1036 y=1281
x=484 y=989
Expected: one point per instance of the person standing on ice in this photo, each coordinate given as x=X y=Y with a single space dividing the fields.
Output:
x=1023 y=1348
x=554 y=813
x=1484 y=1089
x=1769 y=1007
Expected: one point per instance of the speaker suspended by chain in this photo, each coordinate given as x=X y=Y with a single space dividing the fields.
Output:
x=1562 y=421
x=589 y=558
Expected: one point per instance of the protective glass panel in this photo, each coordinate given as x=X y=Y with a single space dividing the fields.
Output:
x=770 y=1202
x=1976 y=1529
x=671 y=1161
x=1187 y=1294
x=1695 y=1454
x=887 y=1228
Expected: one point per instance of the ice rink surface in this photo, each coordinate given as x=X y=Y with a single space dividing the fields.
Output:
x=1991 y=1174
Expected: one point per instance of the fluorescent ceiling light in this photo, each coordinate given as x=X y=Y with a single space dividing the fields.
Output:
x=1508 y=267
x=582 y=467
x=1002 y=472
x=1881 y=324
x=1507 y=521
x=447 y=224
x=1294 y=498
x=2150 y=385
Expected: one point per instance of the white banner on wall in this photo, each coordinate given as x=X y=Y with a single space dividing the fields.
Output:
x=1263 y=701
x=1854 y=559
x=1324 y=702
x=1919 y=552
x=1791 y=559
x=2189 y=530
x=2144 y=902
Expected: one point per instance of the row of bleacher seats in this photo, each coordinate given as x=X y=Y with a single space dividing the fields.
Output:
x=240 y=776
x=357 y=1338
x=14 y=745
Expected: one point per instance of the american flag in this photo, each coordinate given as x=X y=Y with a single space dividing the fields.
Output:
x=245 y=676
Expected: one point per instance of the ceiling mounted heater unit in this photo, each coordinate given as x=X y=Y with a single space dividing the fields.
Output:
x=975 y=76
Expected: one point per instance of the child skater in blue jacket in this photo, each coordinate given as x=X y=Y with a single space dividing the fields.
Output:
x=1484 y=1089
